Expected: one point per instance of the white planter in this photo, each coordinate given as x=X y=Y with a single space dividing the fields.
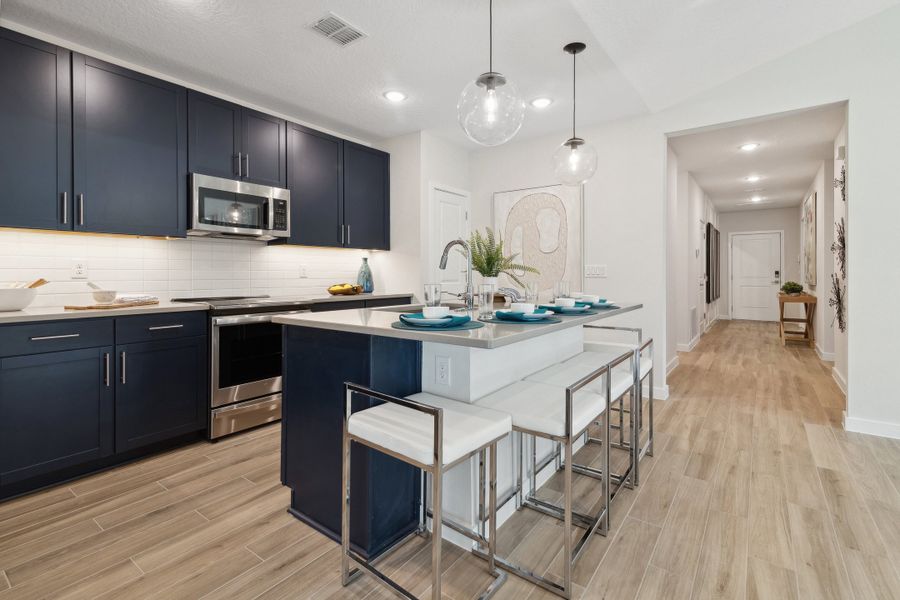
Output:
x=491 y=280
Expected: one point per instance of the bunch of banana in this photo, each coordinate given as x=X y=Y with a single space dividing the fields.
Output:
x=345 y=289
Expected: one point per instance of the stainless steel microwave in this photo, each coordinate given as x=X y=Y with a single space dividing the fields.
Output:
x=238 y=209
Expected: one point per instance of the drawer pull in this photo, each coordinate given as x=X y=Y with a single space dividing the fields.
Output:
x=106 y=369
x=40 y=338
x=161 y=327
x=123 y=369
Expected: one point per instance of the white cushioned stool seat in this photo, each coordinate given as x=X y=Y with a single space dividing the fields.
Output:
x=541 y=407
x=410 y=433
x=586 y=362
x=607 y=347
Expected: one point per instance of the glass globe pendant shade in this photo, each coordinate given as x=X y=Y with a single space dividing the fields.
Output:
x=574 y=162
x=490 y=110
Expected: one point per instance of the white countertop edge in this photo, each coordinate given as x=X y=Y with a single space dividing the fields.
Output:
x=455 y=338
x=57 y=313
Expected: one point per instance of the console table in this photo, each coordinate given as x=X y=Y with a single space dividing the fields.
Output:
x=808 y=335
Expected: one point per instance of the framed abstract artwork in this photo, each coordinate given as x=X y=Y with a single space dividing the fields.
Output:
x=809 y=239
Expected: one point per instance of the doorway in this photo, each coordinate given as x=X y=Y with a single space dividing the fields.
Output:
x=449 y=220
x=757 y=265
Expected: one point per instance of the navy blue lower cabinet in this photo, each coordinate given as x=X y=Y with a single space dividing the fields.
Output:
x=161 y=390
x=385 y=491
x=56 y=411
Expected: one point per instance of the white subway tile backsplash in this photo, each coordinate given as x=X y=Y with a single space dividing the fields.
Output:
x=169 y=268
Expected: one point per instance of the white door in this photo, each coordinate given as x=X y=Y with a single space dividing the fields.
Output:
x=449 y=221
x=755 y=275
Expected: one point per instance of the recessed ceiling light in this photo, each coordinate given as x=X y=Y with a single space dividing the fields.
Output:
x=541 y=102
x=750 y=147
x=756 y=199
x=752 y=178
x=395 y=96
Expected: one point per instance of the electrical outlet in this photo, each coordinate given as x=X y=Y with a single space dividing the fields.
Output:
x=598 y=271
x=442 y=370
x=79 y=269
x=302 y=272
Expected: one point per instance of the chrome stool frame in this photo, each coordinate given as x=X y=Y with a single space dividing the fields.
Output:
x=436 y=470
x=598 y=523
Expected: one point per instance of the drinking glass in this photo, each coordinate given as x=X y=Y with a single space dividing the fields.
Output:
x=561 y=290
x=531 y=292
x=486 y=299
x=432 y=294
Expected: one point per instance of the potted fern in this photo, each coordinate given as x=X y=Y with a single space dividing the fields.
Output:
x=488 y=258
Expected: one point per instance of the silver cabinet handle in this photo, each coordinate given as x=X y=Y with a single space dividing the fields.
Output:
x=106 y=369
x=240 y=163
x=342 y=234
x=348 y=235
x=123 y=368
x=81 y=209
x=246 y=165
x=40 y=338
x=65 y=207
x=161 y=327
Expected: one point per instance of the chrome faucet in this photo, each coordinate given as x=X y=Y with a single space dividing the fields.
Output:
x=469 y=295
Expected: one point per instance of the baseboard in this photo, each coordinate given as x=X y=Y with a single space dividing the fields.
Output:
x=673 y=364
x=879 y=428
x=723 y=318
x=839 y=379
x=689 y=346
x=826 y=356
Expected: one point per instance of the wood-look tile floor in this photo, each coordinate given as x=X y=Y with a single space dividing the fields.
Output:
x=754 y=492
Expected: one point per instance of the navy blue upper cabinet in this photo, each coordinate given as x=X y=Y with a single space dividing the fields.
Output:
x=43 y=428
x=314 y=178
x=130 y=151
x=35 y=134
x=215 y=136
x=228 y=140
x=161 y=390
x=366 y=197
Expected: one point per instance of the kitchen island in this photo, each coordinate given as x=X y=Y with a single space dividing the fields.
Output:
x=322 y=351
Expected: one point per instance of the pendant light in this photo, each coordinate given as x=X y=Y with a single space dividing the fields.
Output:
x=575 y=161
x=490 y=109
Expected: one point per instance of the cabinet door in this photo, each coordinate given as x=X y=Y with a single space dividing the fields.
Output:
x=366 y=197
x=161 y=390
x=130 y=151
x=314 y=178
x=56 y=411
x=215 y=136
x=36 y=138
x=263 y=144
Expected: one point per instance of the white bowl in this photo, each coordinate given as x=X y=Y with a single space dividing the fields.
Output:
x=565 y=302
x=522 y=307
x=435 y=312
x=104 y=296
x=590 y=298
x=16 y=298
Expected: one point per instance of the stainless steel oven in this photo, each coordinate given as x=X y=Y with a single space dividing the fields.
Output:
x=238 y=209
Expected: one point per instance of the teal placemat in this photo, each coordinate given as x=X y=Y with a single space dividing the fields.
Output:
x=543 y=321
x=463 y=327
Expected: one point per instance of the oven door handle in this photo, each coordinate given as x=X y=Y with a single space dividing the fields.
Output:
x=243 y=319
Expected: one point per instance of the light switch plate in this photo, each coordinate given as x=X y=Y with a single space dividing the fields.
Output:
x=595 y=271
x=442 y=370
x=79 y=269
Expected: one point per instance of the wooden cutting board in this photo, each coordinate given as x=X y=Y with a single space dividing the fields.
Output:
x=109 y=306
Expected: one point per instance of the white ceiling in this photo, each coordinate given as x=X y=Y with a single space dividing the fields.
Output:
x=642 y=54
x=791 y=150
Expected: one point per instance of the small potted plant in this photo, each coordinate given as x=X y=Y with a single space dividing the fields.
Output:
x=792 y=288
x=488 y=258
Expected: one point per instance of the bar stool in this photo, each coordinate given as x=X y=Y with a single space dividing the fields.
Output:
x=622 y=383
x=644 y=358
x=434 y=434
x=560 y=415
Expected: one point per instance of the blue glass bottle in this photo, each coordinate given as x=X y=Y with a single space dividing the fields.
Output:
x=364 y=277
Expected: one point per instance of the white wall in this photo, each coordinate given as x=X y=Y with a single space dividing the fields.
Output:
x=840 y=211
x=786 y=220
x=625 y=201
x=822 y=187
x=173 y=268
x=674 y=247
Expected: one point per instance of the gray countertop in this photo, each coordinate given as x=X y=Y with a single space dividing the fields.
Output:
x=53 y=313
x=377 y=321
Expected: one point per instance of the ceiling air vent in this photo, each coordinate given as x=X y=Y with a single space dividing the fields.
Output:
x=337 y=30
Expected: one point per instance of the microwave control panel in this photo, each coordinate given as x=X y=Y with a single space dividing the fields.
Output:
x=280 y=215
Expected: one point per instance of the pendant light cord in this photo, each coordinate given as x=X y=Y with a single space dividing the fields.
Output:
x=490 y=36
x=573 y=94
